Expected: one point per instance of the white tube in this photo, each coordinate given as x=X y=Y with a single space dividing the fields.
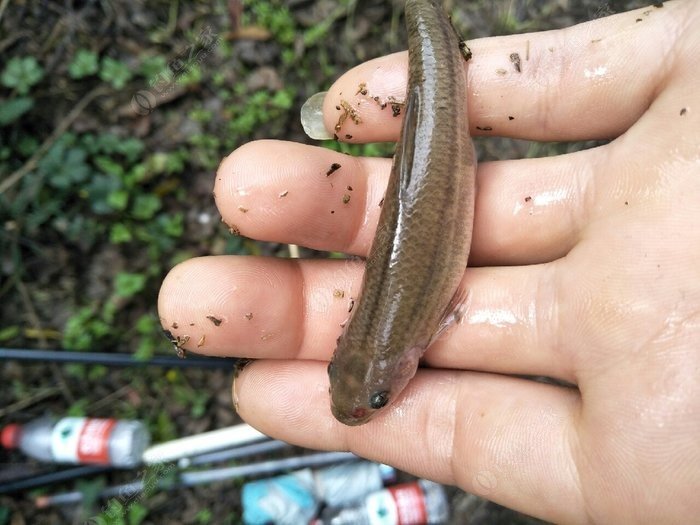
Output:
x=201 y=443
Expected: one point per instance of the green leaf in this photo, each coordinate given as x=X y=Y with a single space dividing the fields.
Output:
x=203 y=516
x=105 y=143
x=283 y=99
x=191 y=76
x=90 y=489
x=199 y=404
x=129 y=284
x=11 y=110
x=171 y=225
x=144 y=350
x=147 y=325
x=145 y=206
x=78 y=408
x=9 y=332
x=96 y=372
x=136 y=513
x=27 y=145
x=84 y=64
x=151 y=66
x=64 y=167
x=115 y=72
x=5 y=514
x=83 y=329
x=164 y=162
x=79 y=228
x=118 y=200
x=21 y=74
x=131 y=148
x=120 y=233
x=112 y=515
x=109 y=166
x=164 y=429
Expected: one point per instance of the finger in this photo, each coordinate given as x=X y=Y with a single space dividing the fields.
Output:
x=527 y=211
x=306 y=195
x=506 y=439
x=284 y=309
x=259 y=307
x=588 y=81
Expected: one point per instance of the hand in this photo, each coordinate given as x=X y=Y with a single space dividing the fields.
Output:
x=585 y=267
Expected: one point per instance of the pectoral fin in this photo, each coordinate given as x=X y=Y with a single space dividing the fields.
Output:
x=454 y=312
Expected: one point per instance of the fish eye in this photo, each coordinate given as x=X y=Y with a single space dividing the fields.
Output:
x=379 y=399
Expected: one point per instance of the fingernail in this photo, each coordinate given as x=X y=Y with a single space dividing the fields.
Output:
x=240 y=365
x=312 y=117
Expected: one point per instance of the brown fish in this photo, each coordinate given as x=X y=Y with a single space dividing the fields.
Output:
x=411 y=288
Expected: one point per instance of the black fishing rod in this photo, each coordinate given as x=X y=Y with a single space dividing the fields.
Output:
x=115 y=359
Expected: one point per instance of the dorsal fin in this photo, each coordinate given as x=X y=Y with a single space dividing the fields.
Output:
x=408 y=137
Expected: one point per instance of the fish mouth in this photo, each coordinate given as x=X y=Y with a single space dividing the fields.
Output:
x=354 y=417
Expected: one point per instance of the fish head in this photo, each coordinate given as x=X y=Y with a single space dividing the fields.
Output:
x=362 y=389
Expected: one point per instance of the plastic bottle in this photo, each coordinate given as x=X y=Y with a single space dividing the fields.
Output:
x=416 y=503
x=296 y=498
x=347 y=483
x=79 y=440
x=283 y=500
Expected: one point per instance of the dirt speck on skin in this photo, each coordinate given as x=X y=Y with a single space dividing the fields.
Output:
x=334 y=167
x=347 y=112
x=515 y=60
x=215 y=320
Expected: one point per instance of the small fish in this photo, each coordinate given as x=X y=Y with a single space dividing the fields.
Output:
x=411 y=289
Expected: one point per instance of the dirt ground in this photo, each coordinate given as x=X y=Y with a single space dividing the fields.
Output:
x=113 y=118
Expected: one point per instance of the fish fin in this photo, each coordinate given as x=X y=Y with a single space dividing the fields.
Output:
x=454 y=312
x=463 y=47
x=408 y=134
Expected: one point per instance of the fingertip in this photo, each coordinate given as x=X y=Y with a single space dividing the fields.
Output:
x=170 y=288
x=279 y=191
x=233 y=306
x=288 y=399
x=364 y=104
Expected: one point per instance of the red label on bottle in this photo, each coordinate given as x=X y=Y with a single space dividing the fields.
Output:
x=410 y=503
x=93 y=443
